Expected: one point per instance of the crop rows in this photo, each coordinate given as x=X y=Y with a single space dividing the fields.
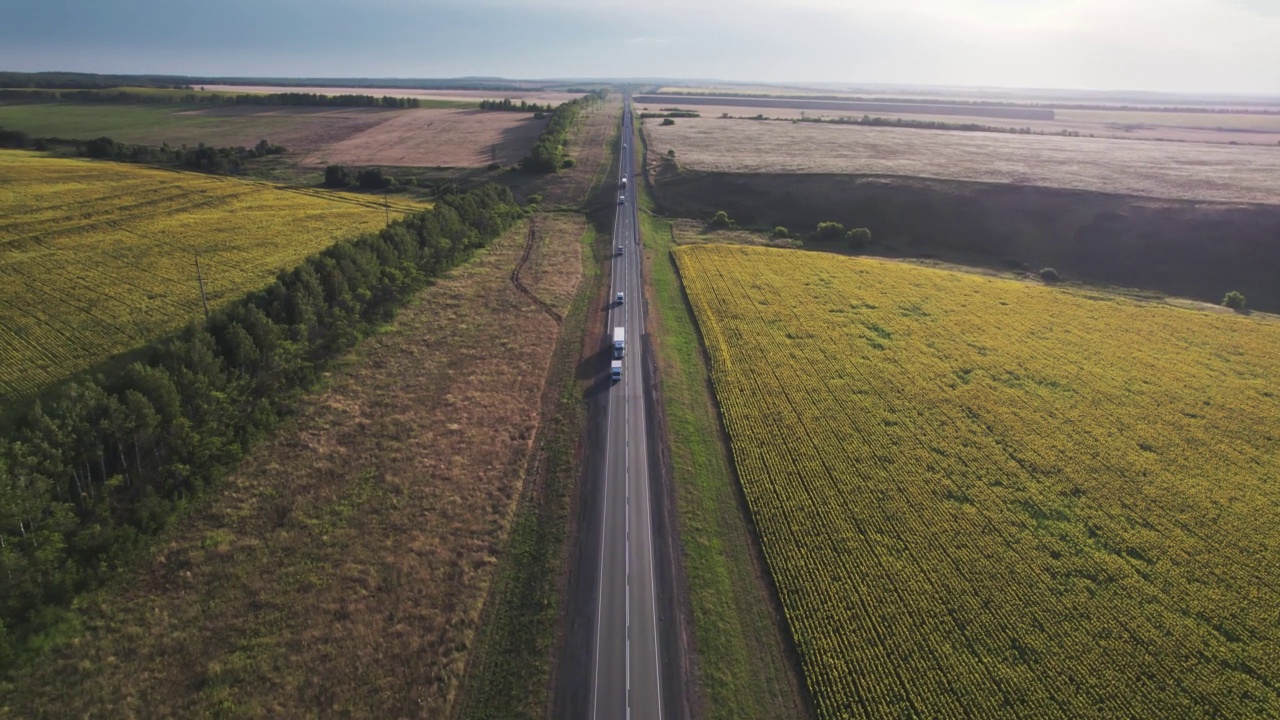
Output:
x=98 y=258
x=986 y=498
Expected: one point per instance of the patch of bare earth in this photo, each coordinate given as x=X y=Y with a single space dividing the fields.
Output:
x=1190 y=171
x=342 y=570
x=436 y=138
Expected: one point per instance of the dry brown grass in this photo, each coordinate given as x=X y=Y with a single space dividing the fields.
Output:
x=591 y=148
x=1156 y=169
x=342 y=570
x=435 y=138
x=1221 y=129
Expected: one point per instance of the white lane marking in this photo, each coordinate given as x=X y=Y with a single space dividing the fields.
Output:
x=604 y=515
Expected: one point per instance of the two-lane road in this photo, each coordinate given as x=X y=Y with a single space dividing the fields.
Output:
x=627 y=666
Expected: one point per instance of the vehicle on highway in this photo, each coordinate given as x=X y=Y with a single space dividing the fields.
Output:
x=619 y=250
x=615 y=370
x=623 y=183
x=618 y=299
x=622 y=199
x=619 y=342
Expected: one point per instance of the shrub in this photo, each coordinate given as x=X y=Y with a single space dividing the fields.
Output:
x=671 y=153
x=829 y=231
x=1049 y=275
x=668 y=121
x=858 y=237
x=720 y=220
x=568 y=163
x=1234 y=300
x=533 y=200
x=495 y=166
x=781 y=232
x=372 y=179
x=336 y=176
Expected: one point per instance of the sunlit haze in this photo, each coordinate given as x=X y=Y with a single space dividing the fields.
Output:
x=1230 y=46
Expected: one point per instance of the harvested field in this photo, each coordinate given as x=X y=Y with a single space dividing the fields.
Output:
x=1154 y=169
x=435 y=138
x=342 y=570
x=532 y=95
x=1224 y=129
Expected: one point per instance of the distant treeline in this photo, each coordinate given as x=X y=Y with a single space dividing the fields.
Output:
x=929 y=125
x=89 y=475
x=203 y=158
x=510 y=105
x=548 y=154
x=73 y=80
x=193 y=98
x=1265 y=106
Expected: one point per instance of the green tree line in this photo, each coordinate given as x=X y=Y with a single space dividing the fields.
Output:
x=103 y=464
x=548 y=154
x=510 y=105
x=194 y=98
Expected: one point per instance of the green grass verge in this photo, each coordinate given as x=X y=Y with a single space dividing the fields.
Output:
x=511 y=677
x=741 y=659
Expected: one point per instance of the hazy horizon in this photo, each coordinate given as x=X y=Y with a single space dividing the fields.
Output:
x=1169 y=46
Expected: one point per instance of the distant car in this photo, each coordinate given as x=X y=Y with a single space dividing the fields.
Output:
x=618 y=299
x=619 y=250
x=622 y=199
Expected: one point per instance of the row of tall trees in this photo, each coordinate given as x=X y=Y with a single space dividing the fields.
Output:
x=203 y=158
x=97 y=468
x=510 y=105
x=193 y=98
x=548 y=154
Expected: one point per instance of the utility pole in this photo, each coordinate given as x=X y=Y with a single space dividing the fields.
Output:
x=200 y=280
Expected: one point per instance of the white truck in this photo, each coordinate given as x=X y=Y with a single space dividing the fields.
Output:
x=615 y=370
x=623 y=183
x=619 y=342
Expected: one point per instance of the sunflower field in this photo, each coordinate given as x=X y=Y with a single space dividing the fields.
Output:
x=980 y=497
x=97 y=258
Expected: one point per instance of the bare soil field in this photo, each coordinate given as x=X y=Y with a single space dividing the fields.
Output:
x=342 y=570
x=1219 y=128
x=532 y=95
x=434 y=138
x=1154 y=169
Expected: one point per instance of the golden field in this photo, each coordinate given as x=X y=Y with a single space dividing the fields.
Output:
x=97 y=258
x=980 y=497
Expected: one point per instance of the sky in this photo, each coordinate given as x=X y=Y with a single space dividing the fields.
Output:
x=1221 y=46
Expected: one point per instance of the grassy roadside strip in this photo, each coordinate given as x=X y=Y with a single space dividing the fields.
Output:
x=512 y=670
x=741 y=662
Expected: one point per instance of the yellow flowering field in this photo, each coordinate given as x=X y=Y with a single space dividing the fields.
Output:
x=97 y=258
x=985 y=498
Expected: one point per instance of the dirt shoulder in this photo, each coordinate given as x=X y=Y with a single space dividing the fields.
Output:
x=343 y=569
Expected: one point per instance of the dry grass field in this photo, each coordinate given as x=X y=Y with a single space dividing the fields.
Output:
x=97 y=258
x=342 y=570
x=1156 y=169
x=434 y=138
x=1222 y=129
x=981 y=497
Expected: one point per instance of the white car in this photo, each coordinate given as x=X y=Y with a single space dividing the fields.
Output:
x=622 y=199
x=619 y=299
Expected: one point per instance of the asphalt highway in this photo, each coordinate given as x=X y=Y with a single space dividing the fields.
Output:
x=626 y=681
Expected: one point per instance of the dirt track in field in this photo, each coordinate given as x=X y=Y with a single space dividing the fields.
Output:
x=435 y=138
